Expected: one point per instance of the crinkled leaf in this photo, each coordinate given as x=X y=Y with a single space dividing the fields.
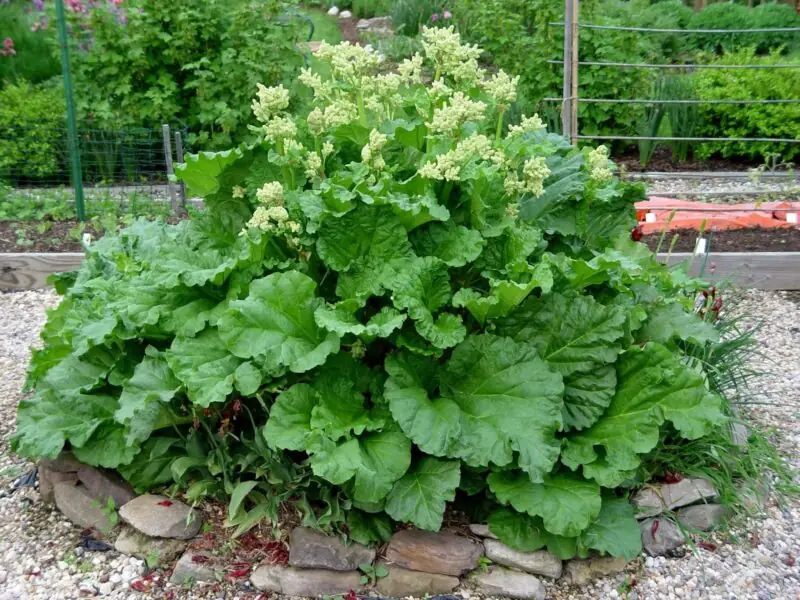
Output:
x=653 y=386
x=510 y=402
x=419 y=497
x=366 y=528
x=615 y=531
x=275 y=324
x=567 y=504
x=673 y=321
x=452 y=244
x=528 y=534
x=289 y=421
x=432 y=425
x=204 y=365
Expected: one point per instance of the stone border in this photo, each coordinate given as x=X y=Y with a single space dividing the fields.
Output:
x=415 y=562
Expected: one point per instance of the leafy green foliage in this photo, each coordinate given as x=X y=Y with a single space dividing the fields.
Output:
x=31 y=121
x=160 y=66
x=420 y=310
x=756 y=120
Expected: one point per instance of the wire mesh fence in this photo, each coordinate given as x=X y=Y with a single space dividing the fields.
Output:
x=34 y=161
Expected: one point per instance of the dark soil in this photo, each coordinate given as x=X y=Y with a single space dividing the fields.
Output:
x=42 y=236
x=662 y=161
x=737 y=240
x=349 y=31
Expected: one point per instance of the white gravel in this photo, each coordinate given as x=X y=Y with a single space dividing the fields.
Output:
x=725 y=189
x=40 y=557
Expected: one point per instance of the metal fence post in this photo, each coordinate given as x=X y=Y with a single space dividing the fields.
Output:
x=179 y=158
x=566 y=104
x=173 y=200
x=72 y=128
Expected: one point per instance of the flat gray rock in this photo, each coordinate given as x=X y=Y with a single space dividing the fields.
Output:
x=159 y=516
x=739 y=435
x=48 y=479
x=481 y=530
x=162 y=551
x=702 y=517
x=401 y=582
x=313 y=550
x=63 y=463
x=189 y=569
x=104 y=484
x=511 y=584
x=580 y=572
x=432 y=552
x=661 y=539
x=540 y=562
x=655 y=499
x=75 y=502
x=291 y=581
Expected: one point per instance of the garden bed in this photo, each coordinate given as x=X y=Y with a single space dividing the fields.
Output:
x=736 y=240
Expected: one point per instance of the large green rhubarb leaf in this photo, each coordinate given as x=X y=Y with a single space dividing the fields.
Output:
x=419 y=497
x=653 y=386
x=528 y=534
x=673 y=321
x=275 y=324
x=510 y=402
x=289 y=421
x=143 y=395
x=578 y=337
x=204 y=365
x=452 y=244
x=567 y=504
x=433 y=425
x=615 y=531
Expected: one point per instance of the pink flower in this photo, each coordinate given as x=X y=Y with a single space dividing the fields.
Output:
x=435 y=17
x=8 y=48
x=448 y=14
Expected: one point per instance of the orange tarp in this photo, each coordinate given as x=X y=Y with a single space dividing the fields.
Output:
x=718 y=217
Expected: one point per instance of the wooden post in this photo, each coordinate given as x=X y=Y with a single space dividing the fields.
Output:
x=574 y=73
x=170 y=171
x=566 y=104
x=179 y=158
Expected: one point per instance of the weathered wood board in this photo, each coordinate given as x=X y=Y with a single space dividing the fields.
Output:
x=29 y=270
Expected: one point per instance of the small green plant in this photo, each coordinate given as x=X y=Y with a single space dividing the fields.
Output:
x=484 y=562
x=109 y=510
x=152 y=559
x=371 y=573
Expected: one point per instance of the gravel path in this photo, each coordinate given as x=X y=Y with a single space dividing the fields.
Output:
x=724 y=190
x=41 y=557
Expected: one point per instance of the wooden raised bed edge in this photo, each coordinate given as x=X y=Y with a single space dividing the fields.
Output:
x=760 y=270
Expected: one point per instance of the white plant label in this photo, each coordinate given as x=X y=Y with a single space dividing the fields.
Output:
x=791 y=218
x=87 y=239
x=700 y=246
x=650 y=218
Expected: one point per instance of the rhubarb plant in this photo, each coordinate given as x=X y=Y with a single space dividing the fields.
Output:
x=394 y=299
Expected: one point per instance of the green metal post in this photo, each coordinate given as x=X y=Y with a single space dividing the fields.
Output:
x=72 y=128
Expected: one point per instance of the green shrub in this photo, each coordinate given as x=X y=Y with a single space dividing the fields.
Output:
x=408 y=16
x=36 y=58
x=756 y=120
x=195 y=62
x=385 y=305
x=31 y=129
x=724 y=15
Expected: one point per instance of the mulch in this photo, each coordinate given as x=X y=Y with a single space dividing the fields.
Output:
x=736 y=240
x=31 y=236
x=662 y=162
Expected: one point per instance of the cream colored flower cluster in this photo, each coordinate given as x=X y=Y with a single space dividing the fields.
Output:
x=238 y=191
x=371 y=152
x=267 y=108
x=349 y=62
x=502 y=89
x=449 y=56
x=448 y=165
x=270 y=101
x=527 y=124
x=271 y=194
x=598 y=165
x=534 y=172
x=459 y=110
